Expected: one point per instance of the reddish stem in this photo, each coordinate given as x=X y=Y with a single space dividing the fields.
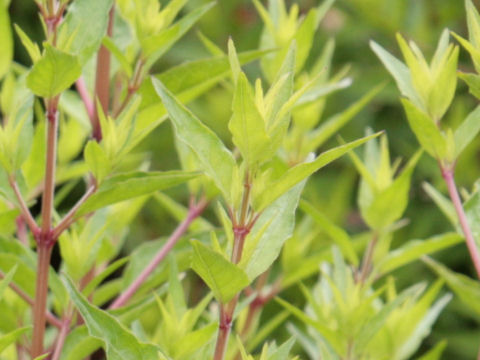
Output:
x=44 y=252
x=193 y=213
x=448 y=175
x=87 y=101
x=102 y=81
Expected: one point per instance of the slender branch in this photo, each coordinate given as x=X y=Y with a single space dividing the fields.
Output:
x=448 y=175
x=49 y=187
x=21 y=230
x=44 y=252
x=52 y=319
x=69 y=218
x=240 y=230
x=193 y=213
x=133 y=86
x=62 y=335
x=368 y=259
x=87 y=101
x=102 y=80
x=27 y=215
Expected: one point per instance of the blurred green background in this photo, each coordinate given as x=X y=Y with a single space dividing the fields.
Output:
x=352 y=23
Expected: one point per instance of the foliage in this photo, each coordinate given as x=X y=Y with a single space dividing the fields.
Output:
x=120 y=124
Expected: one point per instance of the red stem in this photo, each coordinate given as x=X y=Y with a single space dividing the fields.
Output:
x=44 y=252
x=193 y=213
x=227 y=311
x=87 y=101
x=102 y=80
x=448 y=175
x=49 y=187
x=69 y=218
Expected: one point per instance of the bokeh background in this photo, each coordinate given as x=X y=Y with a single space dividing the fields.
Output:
x=352 y=23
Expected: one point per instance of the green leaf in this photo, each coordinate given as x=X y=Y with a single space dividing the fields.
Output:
x=10 y=338
x=436 y=352
x=389 y=204
x=233 y=59
x=472 y=211
x=29 y=45
x=302 y=171
x=55 y=72
x=217 y=160
x=6 y=280
x=224 y=278
x=467 y=289
x=336 y=233
x=467 y=131
x=274 y=226
x=443 y=203
x=334 y=123
x=83 y=28
x=6 y=39
x=97 y=160
x=79 y=344
x=157 y=45
x=130 y=185
x=247 y=125
x=473 y=82
x=426 y=131
x=399 y=71
x=119 y=342
x=415 y=249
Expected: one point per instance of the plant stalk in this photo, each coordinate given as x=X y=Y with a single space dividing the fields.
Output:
x=368 y=259
x=448 y=175
x=102 y=81
x=193 y=213
x=44 y=252
x=49 y=187
x=227 y=311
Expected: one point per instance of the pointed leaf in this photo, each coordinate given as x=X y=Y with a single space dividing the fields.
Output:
x=217 y=160
x=247 y=125
x=224 y=278
x=467 y=131
x=302 y=171
x=119 y=342
x=426 y=131
x=130 y=185
x=55 y=72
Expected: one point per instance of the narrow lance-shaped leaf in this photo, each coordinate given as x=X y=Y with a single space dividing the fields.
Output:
x=337 y=121
x=399 y=71
x=467 y=131
x=6 y=39
x=467 y=289
x=217 y=160
x=10 y=338
x=338 y=235
x=157 y=45
x=130 y=185
x=119 y=342
x=247 y=125
x=426 y=131
x=415 y=249
x=302 y=171
x=224 y=278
